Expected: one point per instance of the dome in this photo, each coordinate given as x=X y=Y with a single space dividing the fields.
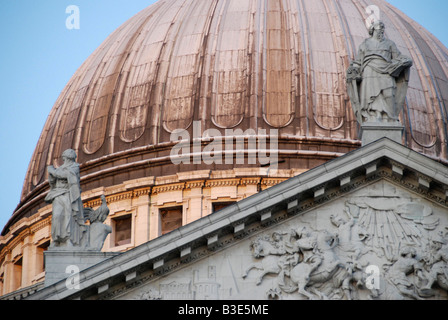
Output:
x=229 y=65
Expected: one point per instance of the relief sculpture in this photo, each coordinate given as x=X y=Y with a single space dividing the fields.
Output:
x=333 y=263
x=306 y=258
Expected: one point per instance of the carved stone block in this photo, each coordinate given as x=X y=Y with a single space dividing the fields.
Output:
x=372 y=132
x=61 y=265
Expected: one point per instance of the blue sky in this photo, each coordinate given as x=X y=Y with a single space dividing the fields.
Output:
x=39 y=55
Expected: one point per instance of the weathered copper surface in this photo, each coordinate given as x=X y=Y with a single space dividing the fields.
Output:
x=260 y=64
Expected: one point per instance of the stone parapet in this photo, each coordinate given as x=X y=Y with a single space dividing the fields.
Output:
x=60 y=265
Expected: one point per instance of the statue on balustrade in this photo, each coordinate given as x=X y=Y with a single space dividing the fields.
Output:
x=69 y=230
x=377 y=81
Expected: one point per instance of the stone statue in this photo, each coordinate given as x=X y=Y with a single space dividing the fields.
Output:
x=68 y=225
x=377 y=81
x=69 y=230
x=98 y=231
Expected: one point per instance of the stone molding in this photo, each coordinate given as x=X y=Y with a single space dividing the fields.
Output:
x=168 y=188
x=194 y=184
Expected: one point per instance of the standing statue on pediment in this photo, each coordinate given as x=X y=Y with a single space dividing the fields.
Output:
x=377 y=81
x=69 y=230
x=68 y=224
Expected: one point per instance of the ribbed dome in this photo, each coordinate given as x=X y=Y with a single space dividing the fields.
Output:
x=260 y=64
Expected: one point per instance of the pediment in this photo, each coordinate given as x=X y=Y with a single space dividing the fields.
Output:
x=381 y=235
x=372 y=224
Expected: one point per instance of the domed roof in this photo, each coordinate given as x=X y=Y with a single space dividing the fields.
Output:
x=232 y=64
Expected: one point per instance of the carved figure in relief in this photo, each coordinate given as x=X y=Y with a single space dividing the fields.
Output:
x=277 y=257
x=349 y=237
x=401 y=287
x=354 y=280
x=263 y=249
x=333 y=264
x=437 y=263
x=290 y=256
x=377 y=81
x=320 y=264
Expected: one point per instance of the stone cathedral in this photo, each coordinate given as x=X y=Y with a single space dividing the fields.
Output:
x=233 y=150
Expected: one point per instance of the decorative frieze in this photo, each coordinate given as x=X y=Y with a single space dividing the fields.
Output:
x=109 y=199
x=142 y=192
x=250 y=181
x=168 y=188
x=270 y=182
x=40 y=225
x=222 y=183
x=194 y=184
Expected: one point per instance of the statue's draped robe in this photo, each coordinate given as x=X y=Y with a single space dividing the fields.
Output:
x=385 y=75
x=65 y=195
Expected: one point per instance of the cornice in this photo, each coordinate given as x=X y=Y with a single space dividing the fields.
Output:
x=40 y=225
x=250 y=181
x=194 y=184
x=168 y=188
x=222 y=183
x=269 y=182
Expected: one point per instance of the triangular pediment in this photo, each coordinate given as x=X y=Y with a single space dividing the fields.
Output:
x=328 y=249
x=377 y=214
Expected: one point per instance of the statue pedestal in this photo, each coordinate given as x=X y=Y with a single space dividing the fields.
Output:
x=371 y=132
x=60 y=265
